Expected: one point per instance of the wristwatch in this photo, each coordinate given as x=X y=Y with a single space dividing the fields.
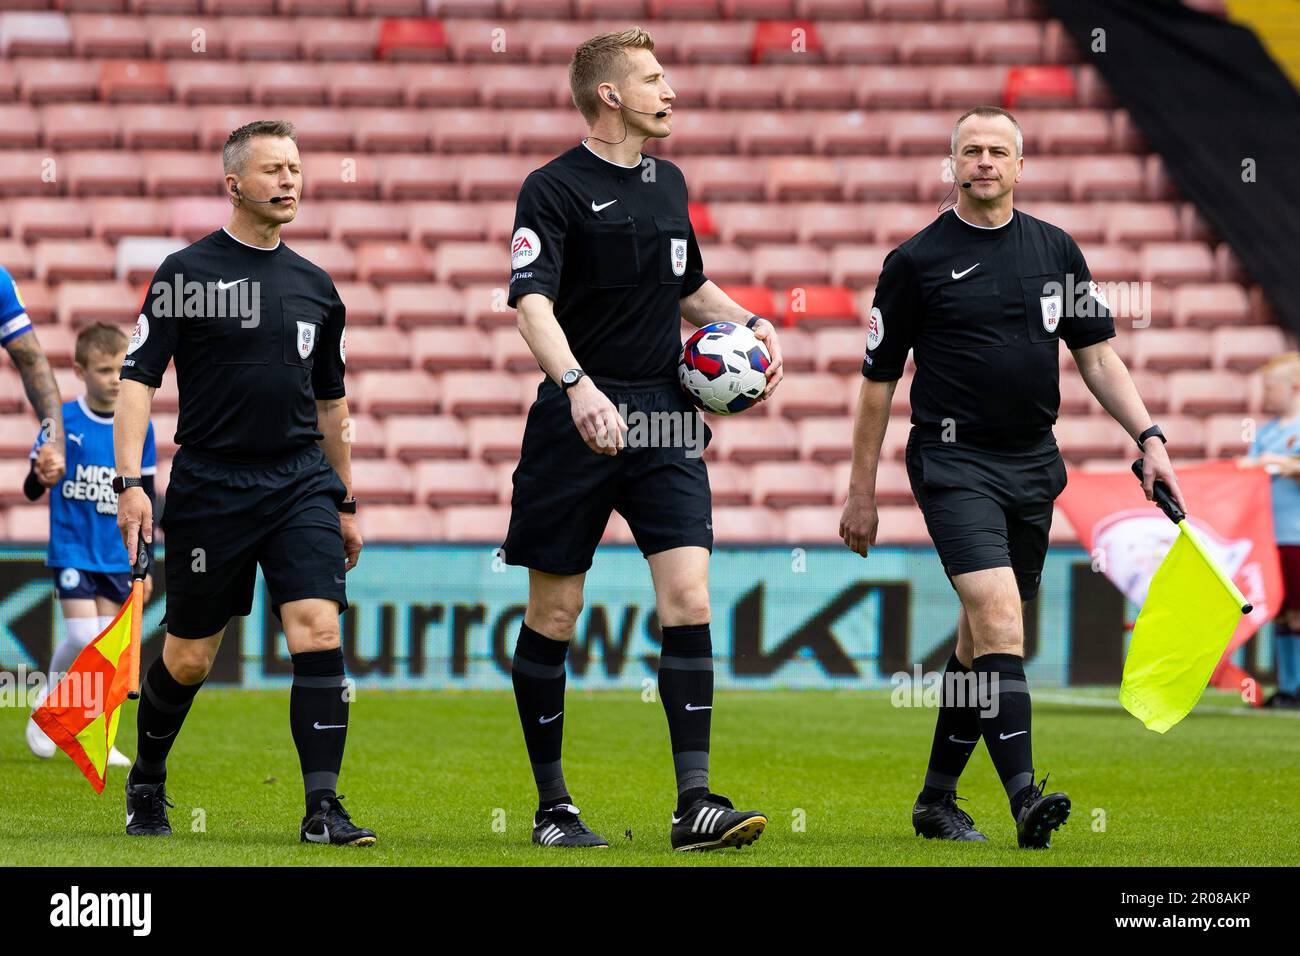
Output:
x=1152 y=432
x=122 y=482
x=570 y=379
x=348 y=506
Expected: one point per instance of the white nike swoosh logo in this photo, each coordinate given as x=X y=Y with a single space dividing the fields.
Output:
x=595 y=208
x=156 y=737
x=227 y=285
x=1009 y=736
x=703 y=707
x=319 y=726
x=76 y=438
x=958 y=275
x=547 y=720
x=959 y=741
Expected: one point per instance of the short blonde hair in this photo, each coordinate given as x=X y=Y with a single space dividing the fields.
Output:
x=603 y=59
x=1286 y=362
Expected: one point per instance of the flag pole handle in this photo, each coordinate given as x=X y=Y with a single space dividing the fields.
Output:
x=1162 y=496
x=139 y=571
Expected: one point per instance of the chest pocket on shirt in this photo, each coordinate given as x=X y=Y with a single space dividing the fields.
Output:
x=1045 y=305
x=236 y=333
x=302 y=319
x=671 y=249
x=973 y=314
x=610 y=254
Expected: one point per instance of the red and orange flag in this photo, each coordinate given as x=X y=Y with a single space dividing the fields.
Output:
x=81 y=713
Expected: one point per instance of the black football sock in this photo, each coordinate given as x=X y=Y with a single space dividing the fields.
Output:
x=1005 y=722
x=318 y=717
x=538 y=676
x=163 y=705
x=956 y=732
x=686 y=689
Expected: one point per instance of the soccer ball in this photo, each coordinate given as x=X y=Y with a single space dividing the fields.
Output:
x=724 y=368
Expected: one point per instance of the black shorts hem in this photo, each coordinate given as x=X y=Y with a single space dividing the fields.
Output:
x=277 y=601
x=661 y=547
x=970 y=567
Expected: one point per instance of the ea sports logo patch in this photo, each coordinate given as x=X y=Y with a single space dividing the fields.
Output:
x=138 y=334
x=306 y=339
x=678 y=256
x=1096 y=292
x=525 y=246
x=875 y=329
x=1051 y=306
x=69 y=578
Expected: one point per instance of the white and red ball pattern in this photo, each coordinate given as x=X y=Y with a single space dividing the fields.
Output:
x=724 y=368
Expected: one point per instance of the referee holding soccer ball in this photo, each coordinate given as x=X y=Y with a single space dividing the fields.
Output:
x=983 y=295
x=604 y=265
x=262 y=476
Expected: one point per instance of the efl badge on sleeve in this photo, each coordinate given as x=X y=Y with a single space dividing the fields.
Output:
x=1051 y=306
x=306 y=339
x=679 y=256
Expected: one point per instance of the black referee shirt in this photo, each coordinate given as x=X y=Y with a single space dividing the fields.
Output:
x=984 y=309
x=613 y=248
x=257 y=335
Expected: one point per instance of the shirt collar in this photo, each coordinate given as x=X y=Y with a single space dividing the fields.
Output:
x=635 y=165
x=986 y=228
x=90 y=413
x=250 y=245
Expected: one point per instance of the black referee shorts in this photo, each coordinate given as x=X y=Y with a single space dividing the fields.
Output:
x=564 y=492
x=987 y=509
x=222 y=520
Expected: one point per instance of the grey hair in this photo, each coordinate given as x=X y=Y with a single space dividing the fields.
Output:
x=234 y=155
x=987 y=111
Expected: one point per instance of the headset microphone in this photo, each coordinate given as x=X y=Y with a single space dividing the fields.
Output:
x=274 y=200
x=619 y=103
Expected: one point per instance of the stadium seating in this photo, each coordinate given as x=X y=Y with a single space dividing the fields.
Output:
x=805 y=170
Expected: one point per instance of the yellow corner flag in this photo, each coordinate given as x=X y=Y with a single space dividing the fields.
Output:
x=1190 y=613
x=81 y=713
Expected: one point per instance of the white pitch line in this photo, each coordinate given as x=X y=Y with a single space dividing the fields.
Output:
x=1109 y=704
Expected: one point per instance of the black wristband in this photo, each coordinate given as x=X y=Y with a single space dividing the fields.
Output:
x=1153 y=431
x=348 y=506
x=752 y=320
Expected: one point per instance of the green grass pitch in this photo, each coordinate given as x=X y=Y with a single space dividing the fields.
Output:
x=443 y=778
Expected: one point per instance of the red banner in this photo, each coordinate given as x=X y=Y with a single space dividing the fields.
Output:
x=1231 y=510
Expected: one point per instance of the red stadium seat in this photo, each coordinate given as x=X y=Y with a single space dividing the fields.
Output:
x=1107 y=177
x=388 y=8
x=1203 y=393
x=838 y=351
x=803 y=178
x=451 y=349
x=193 y=217
x=383 y=262
x=911 y=134
x=1229 y=436
x=1086 y=222
x=365 y=84
x=414 y=38
x=400 y=523
x=832 y=224
x=828 y=10
x=1072 y=131
x=707 y=132
x=935 y=42
x=716 y=43
x=1245 y=349
x=20 y=126
x=901 y=525
x=36 y=34
x=139 y=257
x=1039 y=86
x=1090 y=437
x=419 y=177
x=786 y=265
x=134 y=81
x=811 y=395
x=383 y=482
x=494 y=438
x=730 y=484
x=510 y=353
x=1154 y=389
x=486 y=523
x=365 y=303
x=1176 y=262
x=355 y=221
x=1186 y=434
x=439 y=85
x=465 y=263
x=33 y=219
x=325 y=36
x=79 y=260
x=1168 y=350
x=368 y=435
x=408 y=305
x=893 y=87
x=1015 y=41
x=494 y=177
x=474 y=41
x=751 y=525
x=289 y=84
x=395 y=393
x=1141 y=222
x=80 y=303
x=780 y=39
x=334 y=257
x=854 y=132
x=442 y=483
x=860 y=43
x=1046 y=178
x=201 y=81
x=435 y=222
x=820 y=87
x=954 y=87
x=381 y=348
x=898 y=222
x=748 y=224
x=726 y=178
x=790 y=484
x=69 y=126
x=819 y=305
x=813 y=525
x=173 y=173
x=531 y=131
x=797 y=350
x=413 y=438
x=748 y=441
x=58 y=80
x=904 y=9
x=158 y=127
x=1217 y=304
x=480 y=393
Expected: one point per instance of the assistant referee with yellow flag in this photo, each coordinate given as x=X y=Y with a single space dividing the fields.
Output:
x=984 y=295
